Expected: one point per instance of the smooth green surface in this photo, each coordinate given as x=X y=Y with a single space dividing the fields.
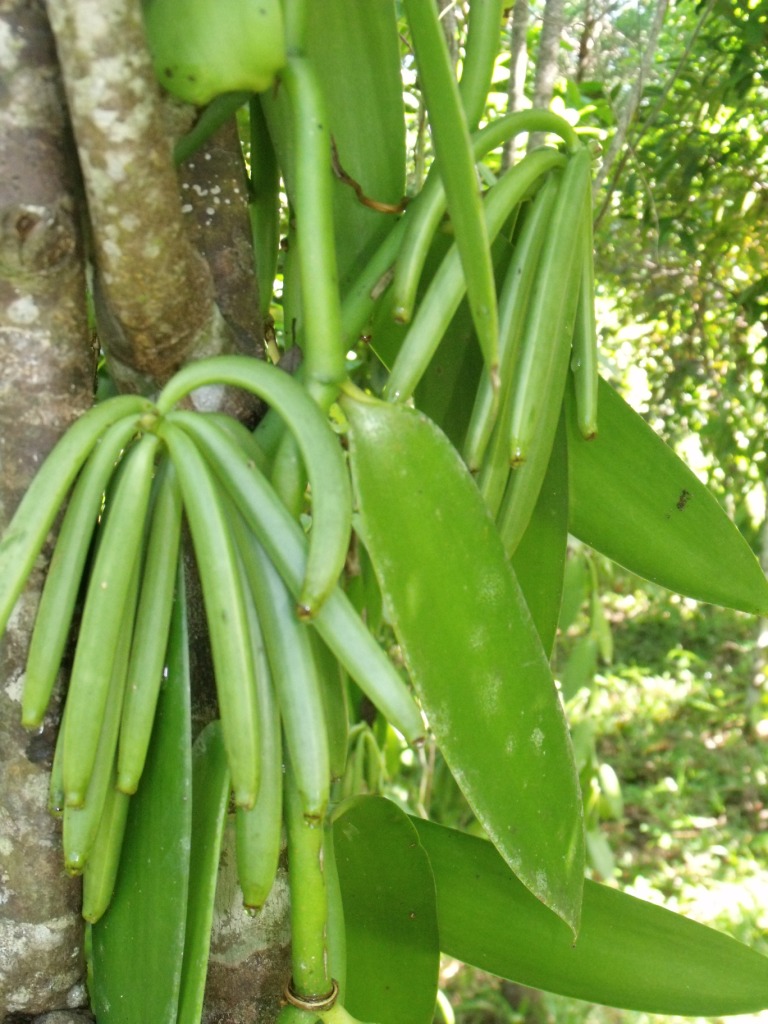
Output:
x=470 y=645
x=138 y=943
x=210 y=795
x=629 y=954
x=393 y=951
x=27 y=531
x=356 y=52
x=456 y=165
x=318 y=445
x=539 y=559
x=635 y=500
x=208 y=48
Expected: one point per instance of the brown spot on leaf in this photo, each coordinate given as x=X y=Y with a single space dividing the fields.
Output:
x=682 y=501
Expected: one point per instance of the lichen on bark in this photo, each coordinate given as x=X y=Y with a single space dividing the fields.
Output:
x=155 y=294
x=172 y=282
x=48 y=368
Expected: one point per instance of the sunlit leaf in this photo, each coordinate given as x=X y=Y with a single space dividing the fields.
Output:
x=635 y=500
x=629 y=954
x=137 y=946
x=393 y=954
x=470 y=645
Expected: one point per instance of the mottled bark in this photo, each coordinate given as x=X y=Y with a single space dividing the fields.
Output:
x=175 y=281
x=250 y=962
x=156 y=295
x=214 y=189
x=46 y=380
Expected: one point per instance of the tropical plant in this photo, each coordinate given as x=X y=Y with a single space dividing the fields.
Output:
x=419 y=472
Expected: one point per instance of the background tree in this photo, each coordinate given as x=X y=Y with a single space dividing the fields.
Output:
x=163 y=194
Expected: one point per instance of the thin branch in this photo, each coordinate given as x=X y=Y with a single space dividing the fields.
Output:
x=632 y=100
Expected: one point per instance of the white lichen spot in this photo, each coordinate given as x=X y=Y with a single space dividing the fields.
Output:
x=116 y=169
x=23 y=310
x=104 y=119
x=208 y=398
x=187 y=208
x=92 y=24
x=537 y=736
x=77 y=996
x=209 y=211
x=9 y=46
x=110 y=249
x=14 y=687
x=130 y=222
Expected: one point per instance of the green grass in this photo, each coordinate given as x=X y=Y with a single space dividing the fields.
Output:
x=677 y=716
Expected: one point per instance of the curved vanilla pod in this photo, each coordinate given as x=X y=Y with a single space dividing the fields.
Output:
x=26 y=533
x=337 y=622
x=217 y=564
x=448 y=286
x=107 y=614
x=319 y=447
x=513 y=307
x=65 y=571
x=151 y=629
x=425 y=212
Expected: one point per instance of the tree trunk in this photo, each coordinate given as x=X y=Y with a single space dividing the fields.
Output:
x=518 y=69
x=48 y=370
x=546 y=61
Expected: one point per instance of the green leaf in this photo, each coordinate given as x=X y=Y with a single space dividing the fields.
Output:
x=210 y=795
x=629 y=954
x=579 y=670
x=576 y=582
x=539 y=558
x=634 y=500
x=148 y=912
x=393 y=954
x=470 y=645
x=355 y=49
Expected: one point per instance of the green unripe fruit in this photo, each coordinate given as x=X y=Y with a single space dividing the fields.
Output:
x=202 y=48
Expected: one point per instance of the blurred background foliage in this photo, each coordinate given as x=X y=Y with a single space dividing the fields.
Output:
x=666 y=698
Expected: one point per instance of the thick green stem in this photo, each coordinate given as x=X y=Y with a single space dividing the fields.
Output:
x=309 y=899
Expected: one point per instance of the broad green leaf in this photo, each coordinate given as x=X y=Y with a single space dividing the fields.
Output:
x=393 y=954
x=576 y=581
x=635 y=500
x=210 y=795
x=470 y=645
x=539 y=558
x=137 y=946
x=579 y=670
x=629 y=954
x=355 y=49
